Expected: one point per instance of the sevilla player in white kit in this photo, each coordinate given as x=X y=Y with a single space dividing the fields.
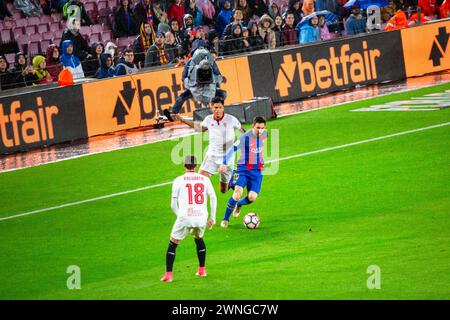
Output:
x=189 y=203
x=221 y=128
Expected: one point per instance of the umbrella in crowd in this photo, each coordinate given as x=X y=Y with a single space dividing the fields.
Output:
x=364 y=4
x=329 y=17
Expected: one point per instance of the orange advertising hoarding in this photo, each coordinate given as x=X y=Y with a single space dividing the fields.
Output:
x=425 y=48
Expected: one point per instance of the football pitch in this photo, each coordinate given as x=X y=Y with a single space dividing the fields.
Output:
x=326 y=217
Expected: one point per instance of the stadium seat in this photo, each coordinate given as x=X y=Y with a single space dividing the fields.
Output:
x=106 y=36
x=102 y=5
x=17 y=15
x=96 y=28
x=86 y=30
x=33 y=21
x=112 y=4
x=54 y=27
x=104 y=12
x=7 y=24
x=122 y=42
x=35 y=37
x=42 y=28
x=94 y=37
x=21 y=22
x=6 y=36
x=45 y=19
x=44 y=45
x=48 y=36
x=31 y=29
x=17 y=31
x=90 y=6
x=56 y=17
x=33 y=48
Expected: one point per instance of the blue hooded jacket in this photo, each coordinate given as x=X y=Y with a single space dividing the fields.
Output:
x=224 y=17
x=104 y=72
x=308 y=33
x=68 y=60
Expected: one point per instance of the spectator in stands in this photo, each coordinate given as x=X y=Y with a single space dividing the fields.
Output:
x=355 y=23
x=81 y=48
x=161 y=15
x=444 y=10
x=191 y=8
x=308 y=7
x=188 y=22
x=200 y=33
x=237 y=19
x=40 y=69
x=4 y=12
x=54 y=66
x=30 y=8
x=214 y=42
x=273 y=10
x=310 y=32
x=157 y=55
x=175 y=29
x=6 y=78
x=265 y=26
x=125 y=65
x=296 y=9
x=49 y=6
x=413 y=17
x=246 y=40
x=289 y=31
x=278 y=29
x=176 y=11
x=143 y=42
x=323 y=28
x=111 y=48
x=106 y=69
x=24 y=74
x=247 y=12
x=387 y=12
x=125 y=22
x=255 y=39
x=80 y=13
x=173 y=49
x=70 y=60
x=144 y=12
x=398 y=21
x=235 y=43
x=208 y=10
x=163 y=27
x=259 y=7
x=91 y=65
x=224 y=16
x=428 y=7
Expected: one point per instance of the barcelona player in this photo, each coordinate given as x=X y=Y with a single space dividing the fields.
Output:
x=249 y=169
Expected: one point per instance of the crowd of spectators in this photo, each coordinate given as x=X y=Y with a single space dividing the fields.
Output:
x=165 y=31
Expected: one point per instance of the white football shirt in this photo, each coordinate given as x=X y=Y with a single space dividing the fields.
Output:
x=221 y=133
x=192 y=189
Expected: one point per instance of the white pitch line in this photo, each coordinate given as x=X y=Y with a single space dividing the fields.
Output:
x=275 y=160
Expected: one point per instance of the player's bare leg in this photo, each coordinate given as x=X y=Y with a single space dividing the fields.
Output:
x=201 y=253
x=170 y=258
x=237 y=194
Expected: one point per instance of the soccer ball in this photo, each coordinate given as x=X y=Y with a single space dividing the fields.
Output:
x=251 y=221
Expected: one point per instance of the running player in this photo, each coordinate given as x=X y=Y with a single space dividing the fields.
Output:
x=221 y=128
x=189 y=193
x=249 y=168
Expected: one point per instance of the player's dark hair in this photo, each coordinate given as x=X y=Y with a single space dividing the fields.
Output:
x=217 y=100
x=259 y=119
x=190 y=162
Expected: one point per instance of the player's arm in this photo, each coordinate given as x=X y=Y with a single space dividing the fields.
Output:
x=229 y=154
x=197 y=126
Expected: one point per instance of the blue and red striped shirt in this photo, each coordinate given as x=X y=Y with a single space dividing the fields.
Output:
x=251 y=147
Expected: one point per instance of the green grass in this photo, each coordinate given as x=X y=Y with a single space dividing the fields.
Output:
x=384 y=203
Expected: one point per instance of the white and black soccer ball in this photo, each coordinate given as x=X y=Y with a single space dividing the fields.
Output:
x=251 y=221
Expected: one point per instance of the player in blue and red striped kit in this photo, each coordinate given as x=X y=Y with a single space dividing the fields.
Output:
x=249 y=169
